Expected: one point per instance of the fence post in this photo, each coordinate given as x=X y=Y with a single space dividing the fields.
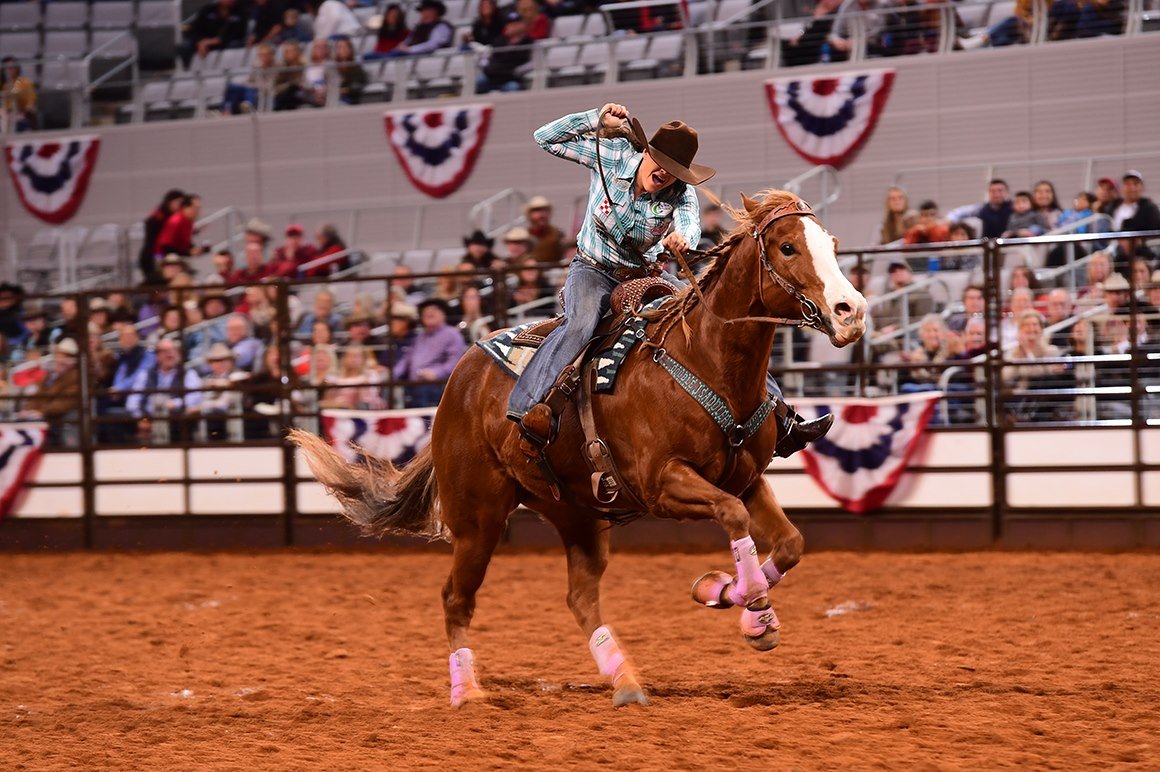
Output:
x=992 y=369
x=86 y=409
x=286 y=414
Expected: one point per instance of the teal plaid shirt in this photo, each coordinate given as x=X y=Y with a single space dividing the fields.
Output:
x=620 y=232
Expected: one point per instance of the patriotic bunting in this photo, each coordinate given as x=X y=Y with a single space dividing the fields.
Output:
x=437 y=148
x=826 y=120
x=389 y=435
x=861 y=459
x=20 y=446
x=51 y=176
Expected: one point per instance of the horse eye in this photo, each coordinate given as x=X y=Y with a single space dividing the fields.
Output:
x=787 y=249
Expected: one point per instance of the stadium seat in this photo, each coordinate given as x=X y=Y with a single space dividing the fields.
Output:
x=213 y=91
x=15 y=17
x=568 y=27
x=100 y=254
x=595 y=25
x=68 y=43
x=379 y=87
x=424 y=69
x=232 y=59
x=22 y=45
x=418 y=260
x=559 y=56
x=112 y=44
x=447 y=258
x=113 y=14
x=66 y=15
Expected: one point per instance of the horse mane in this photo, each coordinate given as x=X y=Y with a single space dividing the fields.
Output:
x=746 y=221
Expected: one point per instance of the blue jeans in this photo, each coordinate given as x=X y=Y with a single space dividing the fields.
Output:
x=236 y=93
x=484 y=85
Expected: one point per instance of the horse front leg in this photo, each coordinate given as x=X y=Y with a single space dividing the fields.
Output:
x=687 y=495
x=586 y=541
x=775 y=536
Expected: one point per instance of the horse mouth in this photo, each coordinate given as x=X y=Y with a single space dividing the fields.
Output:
x=847 y=334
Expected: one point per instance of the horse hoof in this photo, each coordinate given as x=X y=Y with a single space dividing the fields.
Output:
x=627 y=695
x=767 y=641
x=759 y=625
x=710 y=589
x=470 y=694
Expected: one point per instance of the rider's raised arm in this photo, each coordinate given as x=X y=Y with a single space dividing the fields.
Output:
x=687 y=217
x=572 y=137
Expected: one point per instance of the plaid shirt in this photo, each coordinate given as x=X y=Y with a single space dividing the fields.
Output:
x=627 y=230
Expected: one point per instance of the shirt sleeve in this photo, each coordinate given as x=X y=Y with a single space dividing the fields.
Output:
x=957 y=214
x=440 y=38
x=564 y=137
x=193 y=381
x=133 y=403
x=687 y=217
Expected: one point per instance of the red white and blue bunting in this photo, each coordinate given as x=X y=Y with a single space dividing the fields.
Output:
x=389 y=435
x=51 y=176
x=20 y=446
x=827 y=119
x=438 y=148
x=861 y=459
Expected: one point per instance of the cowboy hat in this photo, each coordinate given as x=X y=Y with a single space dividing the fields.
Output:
x=434 y=5
x=218 y=352
x=517 y=234
x=402 y=311
x=537 y=202
x=68 y=347
x=673 y=146
x=478 y=237
x=258 y=228
x=1116 y=283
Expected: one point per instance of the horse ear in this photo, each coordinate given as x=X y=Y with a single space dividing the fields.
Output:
x=748 y=203
x=835 y=238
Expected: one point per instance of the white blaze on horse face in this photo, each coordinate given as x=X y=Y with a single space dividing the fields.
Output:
x=835 y=286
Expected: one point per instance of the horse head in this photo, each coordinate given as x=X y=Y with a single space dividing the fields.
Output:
x=799 y=256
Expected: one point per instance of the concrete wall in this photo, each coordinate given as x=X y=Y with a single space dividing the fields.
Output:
x=1009 y=106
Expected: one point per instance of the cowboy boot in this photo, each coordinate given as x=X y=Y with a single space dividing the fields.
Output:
x=796 y=434
x=537 y=429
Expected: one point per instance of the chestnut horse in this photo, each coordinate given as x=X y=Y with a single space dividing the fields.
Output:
x=779 y=263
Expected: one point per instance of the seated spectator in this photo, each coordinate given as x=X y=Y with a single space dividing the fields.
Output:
x=1023 y=277
x=517 y=242
x=898 y=218
x=488 y=27
x=214 y=26
x=240 y=339
x=713 y=230
x=1107 y=195
x=531 y=284
x=1141 y=278
x=471 y=311
x=1085 y=18
x=132 y=360
x=1134 y=212
x=352 y=78
x=176 y=236
x=314 y=75
x=807 y=47
x=223 y=267
x=548 y=241
x=266 y=22
x=1059 y=308
x=1029 y=347
x=401 y=286
x=294 y=29
x=171 y=322
x=147 y=257
x=11 y=303
x=508 y=60
x=430 y=34
x=356 y=386
x=259 y=86
x=889 y=314
x=1024 y=221
x=1081 y=209
x=59 y=397
x=255 y=270
x=935 y=345
x=264 y=396
x=327 y=243
x=37 y=332
x=974 y=340
x=538 y=25
x=447 y=288
x=223 y=398
x=1013 y=30
x=19 y=97
x=401 y=320
x=639 y=21
x=1117 y=294
x=994 y=212
x=842 y=34
x=323 y=313
x=974 y=304
x=322 y=362
x=930 y=229
x=430 y=361
x=359 y=330
x=1045 y=202
x=393 y=31
x=258 y=306
x=168 y=389
x=333 y=18
x=479 y=254
x=99 y=314
x=289 y=80
x=1021 y=301
x=1099 y=267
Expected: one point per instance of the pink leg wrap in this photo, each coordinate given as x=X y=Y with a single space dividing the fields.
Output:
x=462 y=664
x=755 y=623
x=751 y=583
x=606 y=652
x=772 y=575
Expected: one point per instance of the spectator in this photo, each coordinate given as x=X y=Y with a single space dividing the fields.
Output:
x=281 y=267
x=328 y=243
x=37 y=333
x=918 y=302
x=1023 y=277
x=402 y=286
x=1014 y=29
x=488 y=27
x=314 y=76
x=1029 y=347
x=294 y=29
x=400 y=334
x=935 y=346
x=259 y=86
x=506 y=64
x=548 y=241
x=1100 y=17
x=1141 y=278
x=471 y=322
x=167 y=389
x=221 y=397
x=392 y=32
x=530 y=283
x=293 y=249
x=288 y=82
x=266 y=22
x=430 y=361
x=11 y=311
x=518 y=243
x=644 y=20
x=1045 y=202
x=898 y=217
x=1135 y=211
x=147 y=257
x=930 y=228
x=538 y=26
x=1117 y=294
x=1022 y=300
x=808 y=47
x=1059 y=308
x=322 y=360
x=352 y=78
x=974 y=304
x=265 y=393
x=99 y=314
x=130 y=363
x=841 y=36
x=255 y=269
x=323 y=313
x=240 y=338
x=258 y=307
x=19 y=97
x=430 y=34
x=58 y=398
x=1099 y=267
x=974 y=338
x=223 y=267
x=479 y=254
x=176 y=236
x=1107 y=196
x=960 y=232
x=1081 y=209
x=215 y=26
x=713 y=230
x=333 y=18
x=358 y=330
x=447 y=289
x=994 y=212
x=1024 y=221
x=356 y=386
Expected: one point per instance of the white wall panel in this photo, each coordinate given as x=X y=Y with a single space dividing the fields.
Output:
x=59 y=468
x=236 y=499
x=1071 y=489
x=313 y=500
x=159 y=464
x=1150 y=446
x=942 y=489
x=158 y=499
x=1089 y=447
x=234 y=463
x=50 y=503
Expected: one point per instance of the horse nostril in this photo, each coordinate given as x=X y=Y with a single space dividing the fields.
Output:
x=843 y=311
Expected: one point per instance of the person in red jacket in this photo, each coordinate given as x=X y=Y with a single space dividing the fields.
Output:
x=293 y=248
x=329 y=243
x=255 y=269
x=176 y=235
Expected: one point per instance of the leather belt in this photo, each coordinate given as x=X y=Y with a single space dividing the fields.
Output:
x=620 y=273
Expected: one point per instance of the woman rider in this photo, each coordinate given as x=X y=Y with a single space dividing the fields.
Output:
x=648 y=191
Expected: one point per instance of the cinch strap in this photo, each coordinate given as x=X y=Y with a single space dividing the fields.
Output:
x=714 y=405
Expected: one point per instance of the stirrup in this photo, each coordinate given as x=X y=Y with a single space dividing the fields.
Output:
x=796 y=435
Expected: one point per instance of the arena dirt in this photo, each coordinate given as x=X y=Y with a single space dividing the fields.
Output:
x=338 y=661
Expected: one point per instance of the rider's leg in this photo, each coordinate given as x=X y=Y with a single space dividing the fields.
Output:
x=586 y=294
x=792 y=434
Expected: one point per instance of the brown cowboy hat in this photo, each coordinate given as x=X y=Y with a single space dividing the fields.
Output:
x=673 y=147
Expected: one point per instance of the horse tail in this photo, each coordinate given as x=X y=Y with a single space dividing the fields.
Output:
x=376 y=496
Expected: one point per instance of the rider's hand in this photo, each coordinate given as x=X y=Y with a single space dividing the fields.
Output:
x=612 y=115
x=675 y=243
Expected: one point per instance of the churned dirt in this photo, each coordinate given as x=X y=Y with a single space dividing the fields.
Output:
x=338 y=661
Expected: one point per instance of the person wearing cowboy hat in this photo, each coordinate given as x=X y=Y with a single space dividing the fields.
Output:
x=432 y=31
x=641 y=200
x=58 y=398
x=548 y=241
x=222 y=398
x=478 y=245
x=518 y=243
